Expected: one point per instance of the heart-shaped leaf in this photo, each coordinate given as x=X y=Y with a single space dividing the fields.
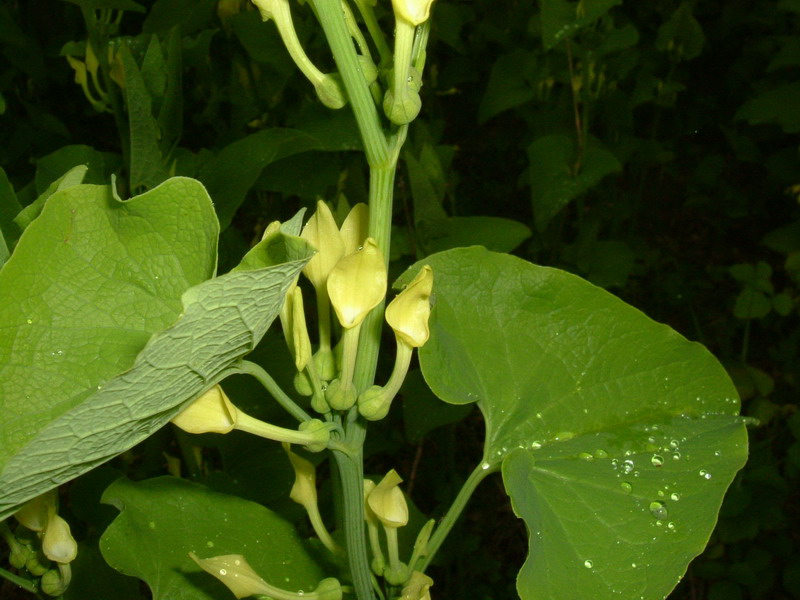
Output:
x=164 y=519
x=618 y=437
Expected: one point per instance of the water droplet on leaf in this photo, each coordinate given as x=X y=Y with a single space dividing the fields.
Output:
x=658 y=510
x=657 y=460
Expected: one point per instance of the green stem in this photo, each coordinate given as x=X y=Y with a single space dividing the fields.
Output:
x=344 y=53
x=375 y=31
x=250 y=368
x=352 y=479
x=478 y=474
x=380 y=229
x=26 y=585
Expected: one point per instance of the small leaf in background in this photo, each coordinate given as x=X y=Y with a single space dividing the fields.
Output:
x=561 y=19
x=509 y=84
x=70 y=326
x=231 y=173
x=494 y=233
x=147 y=168
x=613 y=430
x=101 y=165
x=681 y=35
x=553 y=184
x=777 y=106
x=751 y=304
x=163 y=519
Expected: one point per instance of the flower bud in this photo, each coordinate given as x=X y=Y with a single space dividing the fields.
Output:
x=300 y=340
x=58 y=544
x=340 y=397
x=408 y=313
x=412 y=11
x=54 y=583
x=357 y=284
x=322 y=233
x=388 y=502
x=330 y=91
x=212 y=412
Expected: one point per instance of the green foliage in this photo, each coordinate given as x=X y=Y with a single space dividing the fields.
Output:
x=650 y=148
x=609 y=426
x=162 y=520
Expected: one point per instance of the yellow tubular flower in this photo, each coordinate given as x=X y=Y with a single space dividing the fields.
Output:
x=213 y=412
x=388 y=502
x=35 y=512
x=322 y=233
x=412 y=11
x=233 y=570
x=418 y=587
x=300 y=340
x=58 y=544
x=241 y=579
x=409 y=312
x=357 y=284
x=355 y=228
x=304 y=493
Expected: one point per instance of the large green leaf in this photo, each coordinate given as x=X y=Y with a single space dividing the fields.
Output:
x=557 y=175
x=221 y=321
x=617 y=436
x=164 y=519
x=91 y=279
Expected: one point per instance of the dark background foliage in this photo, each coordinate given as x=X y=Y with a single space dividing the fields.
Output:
x=651 y=148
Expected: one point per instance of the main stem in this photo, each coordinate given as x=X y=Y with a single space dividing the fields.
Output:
x=382 y=160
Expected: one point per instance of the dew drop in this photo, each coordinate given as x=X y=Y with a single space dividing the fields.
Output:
x=600 y=453
x=484 y=466
x=586 y=456
x=658 y=510
x=223 y=572
x=705 y=474
x=152 y=524
x=563 y=436
x=237 y=562
x=627 y=466
x=29 y=321
x=210 y=544
x=673 y=443
x=626 y=487
x=657 y=460
x=676 y=456
x=588 y=564
x=536 y=445
x=675 y=496
x=671 y=526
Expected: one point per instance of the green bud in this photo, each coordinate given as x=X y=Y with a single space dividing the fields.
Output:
x=372 y=403
x=340 y=397
x=412 y=11
x=55 y=583
x=319 y=432
x=328 y=589
x=403 y=108
x=302 y=384
x=330 y=91
x=325 y=364
x=20 y=553
x=37 y=563
x=368 y=69
x=396 y=575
